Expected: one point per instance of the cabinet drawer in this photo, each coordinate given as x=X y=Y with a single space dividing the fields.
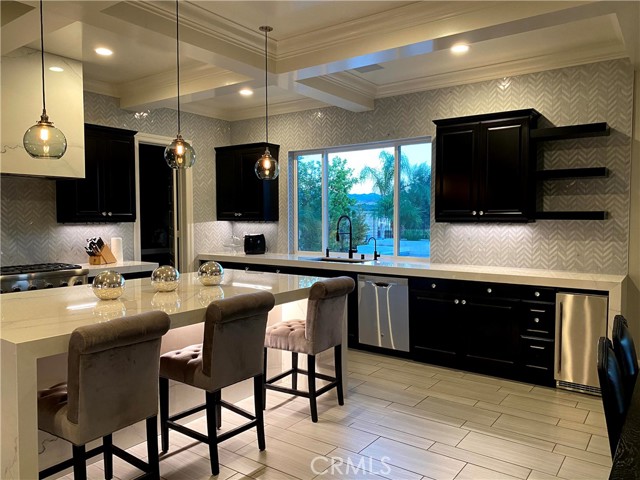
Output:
x=539 y=320
x=539 y=294
x=537 y=353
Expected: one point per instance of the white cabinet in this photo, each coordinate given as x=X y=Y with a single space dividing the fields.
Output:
x=22 y=107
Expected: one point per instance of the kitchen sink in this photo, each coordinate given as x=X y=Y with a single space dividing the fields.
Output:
x=334 y=259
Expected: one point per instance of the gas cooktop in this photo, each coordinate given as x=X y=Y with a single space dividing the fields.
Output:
x=37 y=268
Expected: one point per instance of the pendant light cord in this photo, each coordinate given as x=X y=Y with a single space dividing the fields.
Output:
x=177 y=61
x=266 y=88
x=44 y=107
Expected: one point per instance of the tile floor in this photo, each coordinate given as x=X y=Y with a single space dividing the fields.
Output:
x=406 y=420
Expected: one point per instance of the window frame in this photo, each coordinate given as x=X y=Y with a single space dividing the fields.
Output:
x=325 y=153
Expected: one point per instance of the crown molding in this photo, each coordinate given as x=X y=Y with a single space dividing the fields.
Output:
x=100 y=87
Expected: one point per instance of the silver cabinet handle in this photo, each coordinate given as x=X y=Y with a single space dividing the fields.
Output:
x=536 y=320
x=559 y=338
x=537 y=347
x=104 y=214
x=464 y=302
x=456 y=301
x=473 y=212
x=433 y=285
x=480 y=212
x=489 y=290
x=536 y=294
x=110 y=214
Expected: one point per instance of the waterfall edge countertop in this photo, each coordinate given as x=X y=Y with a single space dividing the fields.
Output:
x=129 y=266
x=39 y=323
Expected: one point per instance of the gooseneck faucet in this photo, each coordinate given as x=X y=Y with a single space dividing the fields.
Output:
x=350 y=232
x=375 y=247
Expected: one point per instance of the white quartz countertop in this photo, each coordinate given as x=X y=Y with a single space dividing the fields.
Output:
x=415 y=268
x=121 y=267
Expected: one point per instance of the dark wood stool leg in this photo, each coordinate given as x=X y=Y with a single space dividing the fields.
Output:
x=107 y=455
x=79 y=462
x=264 y=380
x=218 y=397
x=258 y=383
x=152 y=446
x=294 y=367
x=212 y=423
x=164 y=413
x=311 y=369
x=337 y=350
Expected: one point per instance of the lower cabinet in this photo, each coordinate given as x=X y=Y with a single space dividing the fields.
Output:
x=482 y=327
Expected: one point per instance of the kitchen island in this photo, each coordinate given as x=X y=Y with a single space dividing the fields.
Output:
x=39 y=323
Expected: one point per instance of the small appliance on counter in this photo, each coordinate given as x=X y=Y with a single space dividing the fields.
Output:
x=99 y=252
x=254 y=244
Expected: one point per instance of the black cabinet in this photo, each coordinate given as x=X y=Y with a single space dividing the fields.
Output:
x=485 y=170
x=108 y=191
x=240 y=194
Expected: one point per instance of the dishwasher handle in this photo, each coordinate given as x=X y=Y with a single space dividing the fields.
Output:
x=558 y=356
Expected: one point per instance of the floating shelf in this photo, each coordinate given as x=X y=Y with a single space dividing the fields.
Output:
x=600 y=129
x=588 y=172
x=572 y=215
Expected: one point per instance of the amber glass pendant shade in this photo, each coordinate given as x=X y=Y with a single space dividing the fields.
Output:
x=267 y=167
x=179 y=154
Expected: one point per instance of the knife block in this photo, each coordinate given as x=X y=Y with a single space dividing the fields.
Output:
x=105 y=256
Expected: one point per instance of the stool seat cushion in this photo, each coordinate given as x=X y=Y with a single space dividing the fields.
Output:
x=183 y=365
x=288 y=335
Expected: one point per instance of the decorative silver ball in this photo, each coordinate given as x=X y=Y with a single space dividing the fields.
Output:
x=165 y=278
x=210 y=273
x=108 y=285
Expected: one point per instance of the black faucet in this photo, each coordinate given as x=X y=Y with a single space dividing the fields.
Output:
x=375 y=248
x=338 y=233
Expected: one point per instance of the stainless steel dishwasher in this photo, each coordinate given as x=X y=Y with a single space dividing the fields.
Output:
x=383 y=312
x=580 y=321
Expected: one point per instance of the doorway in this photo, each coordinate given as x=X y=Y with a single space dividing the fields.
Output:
x=157 y=207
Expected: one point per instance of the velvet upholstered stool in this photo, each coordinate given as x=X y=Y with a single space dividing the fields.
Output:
x=231 y=352
x=625 y=350
x=321 y=330
x=112 y=383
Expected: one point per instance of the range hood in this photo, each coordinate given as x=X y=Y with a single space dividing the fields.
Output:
x=22 y=106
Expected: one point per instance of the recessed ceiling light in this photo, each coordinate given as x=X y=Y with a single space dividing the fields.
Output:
x=246 y=92
x=460 y=48
x=103 y=51
x=56 y=69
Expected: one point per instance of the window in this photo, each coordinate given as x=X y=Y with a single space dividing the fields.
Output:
x=377 y=186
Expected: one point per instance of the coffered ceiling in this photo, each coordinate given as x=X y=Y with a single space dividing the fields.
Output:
x=321 y=53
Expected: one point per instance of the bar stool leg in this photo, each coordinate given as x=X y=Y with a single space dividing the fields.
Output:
x=107 y=455
x=258 y=382
x=164 y=413
x=212 y=424
x=152 y=446
x=218 y=397
x=311 y=368
x=337 y=350
x=294 y=367
x=264 y=380
x=79 y=462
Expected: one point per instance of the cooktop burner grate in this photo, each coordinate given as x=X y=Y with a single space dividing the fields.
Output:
x=37 y=268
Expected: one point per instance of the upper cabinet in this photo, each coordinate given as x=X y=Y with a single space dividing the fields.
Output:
x=108 y=192
x=485 y=168
x=22 y=107
x=240 y=194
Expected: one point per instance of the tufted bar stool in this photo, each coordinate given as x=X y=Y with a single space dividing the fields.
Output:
x=320 y=331
x=231 y=352
x=112 y=382
x=625 y=351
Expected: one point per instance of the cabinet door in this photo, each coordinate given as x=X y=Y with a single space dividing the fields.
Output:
x=504 y=187
x=435 y=331
x=240 y=194
x=118 y=179
x=456 y=169
x=492 y=330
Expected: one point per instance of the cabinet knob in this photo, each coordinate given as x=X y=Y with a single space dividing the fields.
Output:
x=246 y=269
x=474 y=213
x=489 y=290
x=104 y=214
x=278 y=271
x=463 y=302
x=480 y=212
x=456 y=301
x=536 y=320
x=433 y=285
x=110 y=214
x=536 y=294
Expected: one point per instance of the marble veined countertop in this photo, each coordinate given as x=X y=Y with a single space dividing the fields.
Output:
x=129 y=266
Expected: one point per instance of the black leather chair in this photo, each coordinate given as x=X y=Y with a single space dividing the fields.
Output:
x=625 y=351
x=614 y=398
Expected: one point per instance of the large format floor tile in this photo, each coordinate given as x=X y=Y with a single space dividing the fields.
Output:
x=404 y=420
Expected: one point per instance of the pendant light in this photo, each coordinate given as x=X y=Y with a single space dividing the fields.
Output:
x=43 y=140
x=179 y=155
x=266 y=167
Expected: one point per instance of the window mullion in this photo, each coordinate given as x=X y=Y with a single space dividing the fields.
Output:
x=325 y=200
x=396 y=201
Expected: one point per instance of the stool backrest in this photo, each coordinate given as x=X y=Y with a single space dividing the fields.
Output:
x=625 y=351
x=233 y=345
x=613 y=394
x=325 y=312
x=112 y=376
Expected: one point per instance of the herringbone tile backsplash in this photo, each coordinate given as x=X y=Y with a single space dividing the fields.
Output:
x=583 y=94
